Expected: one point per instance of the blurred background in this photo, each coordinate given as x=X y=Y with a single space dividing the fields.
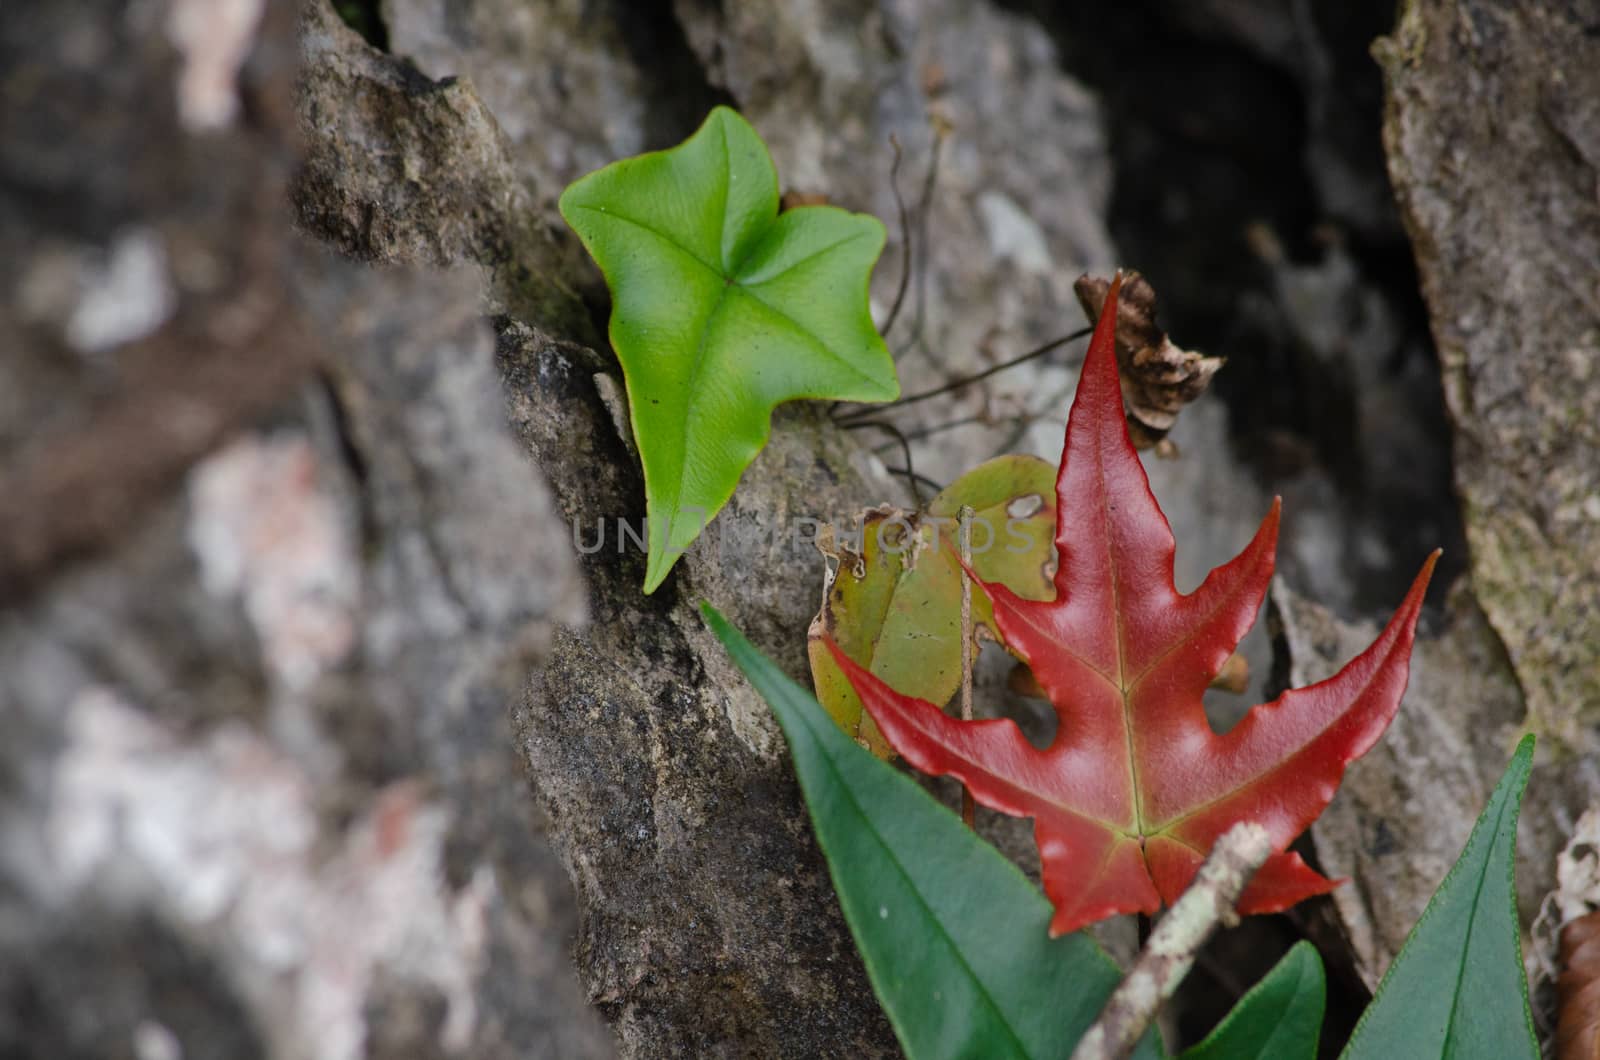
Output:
x=322 y=740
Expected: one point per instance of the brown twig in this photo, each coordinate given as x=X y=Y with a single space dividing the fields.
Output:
x=937 y=487
x=1166 y=959
x=969 y=809
x=924 y=210
x=967 y=380
x=905 y=448
x=905 y=238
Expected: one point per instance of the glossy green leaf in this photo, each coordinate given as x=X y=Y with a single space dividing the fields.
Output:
x=894 y=605
x=954 y=938
x=723 y=309
x=1457 y=989
x=1279 y=1019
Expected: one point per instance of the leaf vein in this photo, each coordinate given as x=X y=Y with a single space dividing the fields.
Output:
x=813 y=340
x=645 y=226
x=889 y=852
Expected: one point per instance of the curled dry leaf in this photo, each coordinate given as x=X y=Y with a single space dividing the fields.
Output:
x=1566 y=942
x=1578 y=1017
x=1158 y=378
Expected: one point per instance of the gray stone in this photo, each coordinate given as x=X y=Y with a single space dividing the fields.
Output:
x=270 y=726
x=574 y=84
x=709 y=924
x=1503 y=217
x=146 y=310
x=401 y=168
x=1493 y=137
x=278 y=575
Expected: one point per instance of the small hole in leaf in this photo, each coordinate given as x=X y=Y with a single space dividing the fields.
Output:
x=1024 y=506
x=993 y=697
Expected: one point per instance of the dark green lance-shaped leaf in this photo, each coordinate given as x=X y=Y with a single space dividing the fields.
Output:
x=955 y=939
x=1279 y=1019
x=722 y=309
x=1457 y=988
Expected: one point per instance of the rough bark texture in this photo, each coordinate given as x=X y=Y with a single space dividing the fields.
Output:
x=1404 y=810
x=1493 y=138
x=710 y=927
x=1493 y=135
x=277 y=563
x=146 y=309
x=274 y=570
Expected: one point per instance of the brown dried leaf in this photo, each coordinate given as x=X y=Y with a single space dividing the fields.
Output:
x=1578 y=1017
x=1158 y=378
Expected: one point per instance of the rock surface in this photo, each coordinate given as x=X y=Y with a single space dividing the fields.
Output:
x=401 y=168
x=148 y=295
x=708 y=923
x=710 y=926
x=281 y=569
x=266 y=735
x=574 y=84
x=1493 y=135
x=1404 y=810
x=1507 y=260
x=274 y=585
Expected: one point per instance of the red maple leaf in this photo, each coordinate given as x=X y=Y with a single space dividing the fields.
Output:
x=1136 y=787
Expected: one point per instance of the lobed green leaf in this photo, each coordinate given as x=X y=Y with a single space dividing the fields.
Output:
x=722 y=310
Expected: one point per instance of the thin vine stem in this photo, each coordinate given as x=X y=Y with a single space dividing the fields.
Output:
x=905 y=238
x=905 y=447
x=924 y=479
x=964 y=381
x=924 y=212
x=905 y=247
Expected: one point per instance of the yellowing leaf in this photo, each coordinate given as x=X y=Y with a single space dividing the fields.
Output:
x=894 y=604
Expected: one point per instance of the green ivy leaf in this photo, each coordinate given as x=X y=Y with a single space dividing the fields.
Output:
x=722 y=310
x=1457 y=989
x=1279 y=1019
x=955 y=940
